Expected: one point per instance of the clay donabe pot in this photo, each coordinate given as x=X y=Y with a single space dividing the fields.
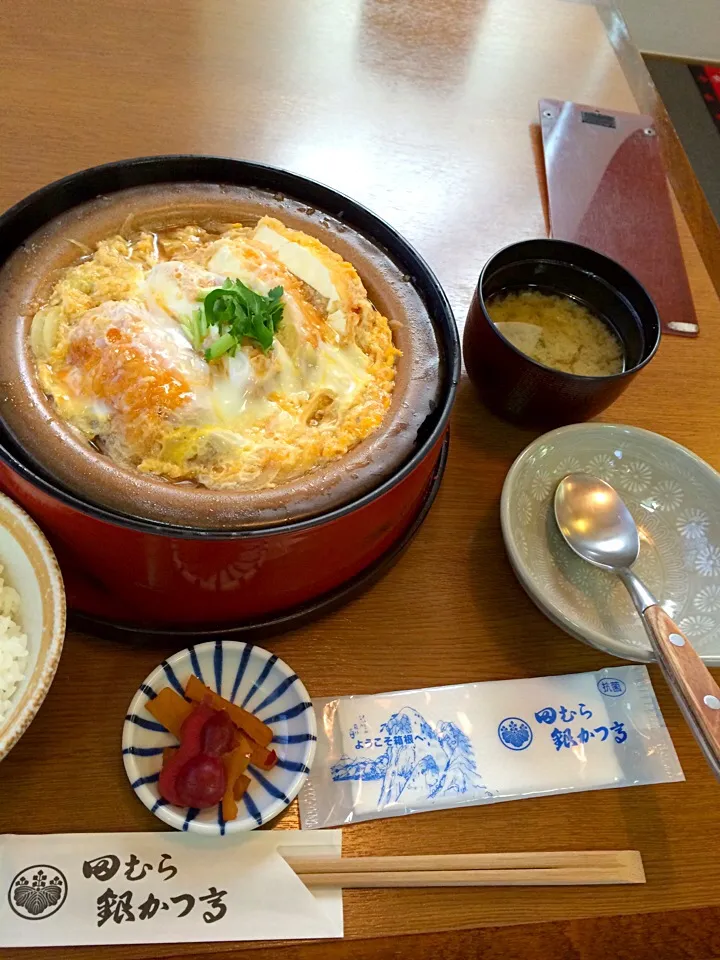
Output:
x=135 y=550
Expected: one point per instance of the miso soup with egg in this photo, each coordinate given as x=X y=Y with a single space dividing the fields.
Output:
x=557 y=331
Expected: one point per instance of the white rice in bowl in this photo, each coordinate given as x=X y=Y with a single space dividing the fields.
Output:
x=13 y=648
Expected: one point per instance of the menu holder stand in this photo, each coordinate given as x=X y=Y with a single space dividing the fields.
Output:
x=607 y=190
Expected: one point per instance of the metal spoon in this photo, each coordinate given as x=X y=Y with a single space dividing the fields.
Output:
x=598 y=526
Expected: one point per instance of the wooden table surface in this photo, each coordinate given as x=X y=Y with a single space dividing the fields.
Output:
x=424 y=111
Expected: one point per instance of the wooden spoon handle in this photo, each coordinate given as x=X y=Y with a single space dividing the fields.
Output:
x=689 y=679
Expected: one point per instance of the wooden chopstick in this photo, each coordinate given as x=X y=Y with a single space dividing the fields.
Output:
x=467 y=861
x=561 y=868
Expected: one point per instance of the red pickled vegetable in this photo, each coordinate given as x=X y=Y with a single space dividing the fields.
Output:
x=218 y=734
x=201 y=781
x=190 y=746
x=247 y=722
x=206 y=768
x=166 y=783
x=191 y=730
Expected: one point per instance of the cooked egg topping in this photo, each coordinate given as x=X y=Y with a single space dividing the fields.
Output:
x=120 y=352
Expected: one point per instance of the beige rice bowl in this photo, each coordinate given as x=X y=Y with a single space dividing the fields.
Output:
x=32 y=621
x=13 y=647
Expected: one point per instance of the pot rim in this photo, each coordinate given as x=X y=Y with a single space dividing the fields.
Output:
x=32 y=212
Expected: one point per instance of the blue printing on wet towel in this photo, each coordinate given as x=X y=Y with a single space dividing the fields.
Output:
x=261 y=678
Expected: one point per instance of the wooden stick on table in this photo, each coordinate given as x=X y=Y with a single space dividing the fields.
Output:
x=562 y=868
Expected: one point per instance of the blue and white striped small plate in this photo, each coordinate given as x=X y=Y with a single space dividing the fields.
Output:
x=260 y=683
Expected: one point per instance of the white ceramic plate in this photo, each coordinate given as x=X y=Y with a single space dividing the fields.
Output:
x=675 y=499
x=259 y=682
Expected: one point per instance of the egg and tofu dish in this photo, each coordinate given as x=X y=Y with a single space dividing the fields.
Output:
x=235 y=360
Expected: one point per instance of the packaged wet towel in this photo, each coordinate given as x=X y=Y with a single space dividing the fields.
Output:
x=417 y=750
